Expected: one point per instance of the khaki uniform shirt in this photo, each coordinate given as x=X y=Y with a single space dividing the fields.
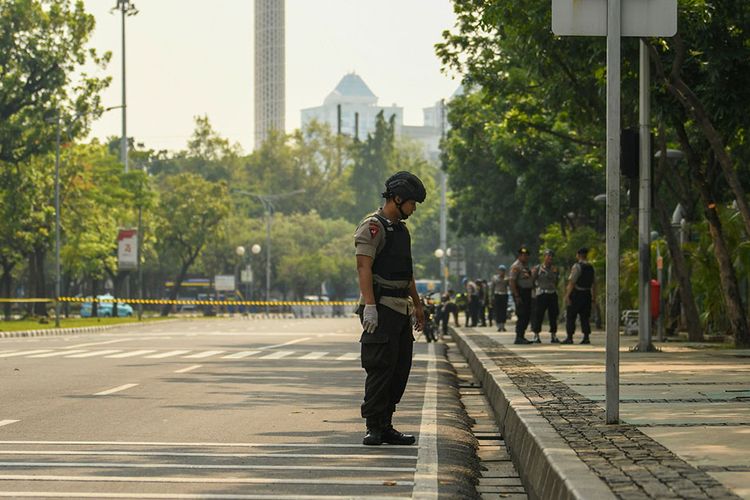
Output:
x=546 y=278
x=369 y=239
x=500 y=285
x=521 y=274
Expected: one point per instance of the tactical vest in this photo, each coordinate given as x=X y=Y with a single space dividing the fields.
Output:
x=394 y=262
x=586 y=279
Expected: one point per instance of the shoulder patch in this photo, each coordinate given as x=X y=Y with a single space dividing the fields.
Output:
x=374 y=229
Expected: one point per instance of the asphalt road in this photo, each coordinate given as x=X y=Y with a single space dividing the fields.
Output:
x=231 y=408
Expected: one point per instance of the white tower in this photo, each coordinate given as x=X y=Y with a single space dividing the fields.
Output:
x=269 y=68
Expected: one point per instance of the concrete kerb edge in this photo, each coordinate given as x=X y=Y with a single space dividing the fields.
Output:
x=49 y=332
x=548 y=467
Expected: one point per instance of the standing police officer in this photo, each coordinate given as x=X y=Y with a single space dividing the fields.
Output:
x=386 y=283
x=521 y=284
x=546 y=275
x=500 y=296
x=579 y=295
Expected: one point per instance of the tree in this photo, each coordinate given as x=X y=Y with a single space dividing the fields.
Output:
x=191 y=210
x=43 y=49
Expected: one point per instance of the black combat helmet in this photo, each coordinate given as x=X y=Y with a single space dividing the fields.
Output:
x=406 y=185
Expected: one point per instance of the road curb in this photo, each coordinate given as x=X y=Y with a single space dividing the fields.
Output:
x=548 y=467
x=50 y=332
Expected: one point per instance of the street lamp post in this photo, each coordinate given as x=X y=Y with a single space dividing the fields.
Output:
x=267 y=200
x=126 y=9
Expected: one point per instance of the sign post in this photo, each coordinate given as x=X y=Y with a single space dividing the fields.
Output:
x=613 y=19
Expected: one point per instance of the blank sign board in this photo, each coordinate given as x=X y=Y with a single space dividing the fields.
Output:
x=639 y=17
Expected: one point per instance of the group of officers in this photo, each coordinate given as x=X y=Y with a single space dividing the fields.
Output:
x=535 y=294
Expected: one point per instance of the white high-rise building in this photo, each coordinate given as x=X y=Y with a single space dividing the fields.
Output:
x=269 y=68
x=359 y=109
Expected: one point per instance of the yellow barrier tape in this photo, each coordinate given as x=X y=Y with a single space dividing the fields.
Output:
x=209 y=302
x=13 y=301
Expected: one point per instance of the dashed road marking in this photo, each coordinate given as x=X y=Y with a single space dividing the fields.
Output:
x=23 y=353
x=168 y=354
x=58 y=353
x=348 y=356
x=314 y=355
x=240 y=355
x=116 y=389
x=188 y=369
x=93 y=353
x=8 y=422
x=278 y=355
x=295 y=341
x=131 y=354
x=97 y=343
x=204 y=354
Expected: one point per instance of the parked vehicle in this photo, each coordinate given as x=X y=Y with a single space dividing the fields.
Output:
x=104 y=309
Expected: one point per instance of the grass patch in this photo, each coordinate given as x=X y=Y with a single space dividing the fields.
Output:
x=31 y=324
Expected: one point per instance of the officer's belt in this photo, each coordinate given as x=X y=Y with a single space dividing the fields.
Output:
x=581 y=289
x=394 y=292
x=541 y=290
x=501 y=293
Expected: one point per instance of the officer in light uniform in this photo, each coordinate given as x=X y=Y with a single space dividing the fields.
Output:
x=500 y=297
x=521 y=284
x=546 y=276
x=579 y=295
x=388 y=301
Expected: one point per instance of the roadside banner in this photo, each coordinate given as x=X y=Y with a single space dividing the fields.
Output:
x=127 y=249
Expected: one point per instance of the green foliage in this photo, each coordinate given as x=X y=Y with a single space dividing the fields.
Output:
x=43 y=50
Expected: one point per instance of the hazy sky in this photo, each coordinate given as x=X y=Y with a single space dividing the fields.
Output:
x=195 y=57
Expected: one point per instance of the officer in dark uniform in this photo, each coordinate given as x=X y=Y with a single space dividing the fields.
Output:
x=521 y=284
x=388 y=300
x=545 y=276
x=579 y=295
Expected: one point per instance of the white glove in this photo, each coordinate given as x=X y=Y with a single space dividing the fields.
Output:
x=370 y=318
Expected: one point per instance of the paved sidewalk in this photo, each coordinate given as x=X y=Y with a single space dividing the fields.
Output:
x=685 y=430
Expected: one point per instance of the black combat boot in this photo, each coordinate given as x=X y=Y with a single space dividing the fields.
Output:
x=522 y=340
x=568 y=340
x=585 y=339
x=392 y=436
x=374 y=436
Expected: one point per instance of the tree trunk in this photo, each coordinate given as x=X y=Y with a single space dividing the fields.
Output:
x=7 y=284
x=94 y=294
x=692 y=318
x=176 y=288
x=694 y=107
x=37 y=281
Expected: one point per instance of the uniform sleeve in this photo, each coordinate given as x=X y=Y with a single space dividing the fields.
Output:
x=514 y=273
x=575 y=272
x=368 y=237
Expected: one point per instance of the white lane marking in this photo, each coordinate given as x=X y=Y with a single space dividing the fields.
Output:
x=204 y=354
x=277 y=355
x=240 y=355
x=23 y=353
x=179 y=496
x=314 y=355
x=348 y=356
x=93 y=353
x=116 y=389
x=188 y=369
x=97 y=343
x=214 y=480
x=130 y=354
x=57 y=353
x=425 y=479
x=206 y=444
x=7 y=351
x=124 y=465
x=168 y=354
x=295 y=341
x=8 y=422
x=354 y=456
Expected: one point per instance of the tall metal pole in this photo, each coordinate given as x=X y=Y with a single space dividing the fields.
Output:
x=644 y=205
x=57 y=224
x=140 y=266
x=269 y=214
x=613 y=213
x=124 y=7
x=443 y=207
